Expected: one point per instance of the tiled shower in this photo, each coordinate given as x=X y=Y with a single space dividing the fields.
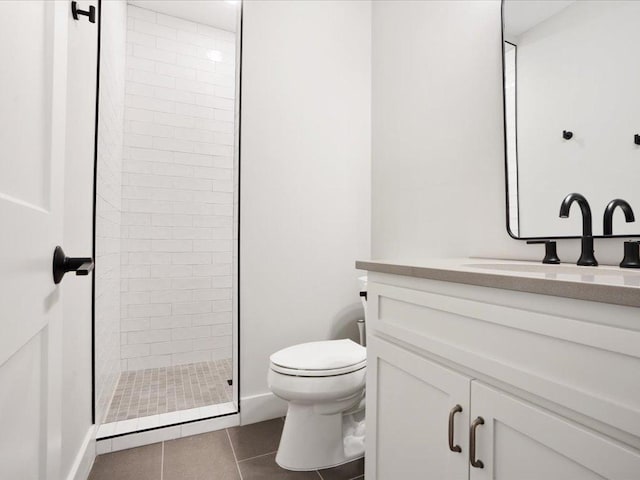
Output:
x=166 y=215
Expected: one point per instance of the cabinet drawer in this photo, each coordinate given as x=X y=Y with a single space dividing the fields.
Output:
x=593 y=369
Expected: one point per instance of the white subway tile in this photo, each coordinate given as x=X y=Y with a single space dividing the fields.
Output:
x=172 y=220
x=173 y=321
x=148 y=284
x=133 y=325
x=180 y=48
x=192 y=307
x=176 y=71
x=174 y=119
x=212 y=294
x=141 y=141
x=174 y=94
x=190 y=284
x=173 y=296
x=154 y=79
x=149 y=128
x=139 y=38
x=171 y=245
x=190 y=332
x=173 y=144
x=156 y=30
x=148 y=103
x=171 y=347
x=149 y=258
x=171 y=271
x=149 y=336
x=149 y=310
x=214 y=318
x=133 y=351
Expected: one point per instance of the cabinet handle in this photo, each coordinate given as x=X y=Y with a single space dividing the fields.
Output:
x=452 y=447
x=472 y=443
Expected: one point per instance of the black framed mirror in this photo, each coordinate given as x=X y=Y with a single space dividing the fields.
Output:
x=571 y=113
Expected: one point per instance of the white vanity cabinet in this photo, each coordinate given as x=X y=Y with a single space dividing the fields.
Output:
x=520 y=441
x=556 y=382
x=409 y=416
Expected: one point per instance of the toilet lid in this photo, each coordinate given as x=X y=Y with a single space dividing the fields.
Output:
x=321 y=358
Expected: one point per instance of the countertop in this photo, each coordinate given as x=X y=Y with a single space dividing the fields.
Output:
x=606 y=284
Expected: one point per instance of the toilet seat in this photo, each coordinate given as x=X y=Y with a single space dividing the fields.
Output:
x=320 y=359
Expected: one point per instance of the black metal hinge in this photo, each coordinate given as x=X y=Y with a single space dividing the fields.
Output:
x=91 y=13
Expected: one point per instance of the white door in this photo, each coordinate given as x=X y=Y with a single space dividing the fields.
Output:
x=33 y=49
x=520 y=441
x=410 y=404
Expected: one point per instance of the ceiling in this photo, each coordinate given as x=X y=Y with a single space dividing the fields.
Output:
x=522 y=15
x=216 y=13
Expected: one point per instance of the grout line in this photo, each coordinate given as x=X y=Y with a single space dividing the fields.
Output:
x=234 y=453
x=257 y=456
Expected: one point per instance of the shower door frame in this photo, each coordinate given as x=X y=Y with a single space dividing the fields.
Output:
x=235 y=322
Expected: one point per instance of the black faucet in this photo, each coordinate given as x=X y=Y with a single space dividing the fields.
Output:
x=587 y=258
x=607 y=221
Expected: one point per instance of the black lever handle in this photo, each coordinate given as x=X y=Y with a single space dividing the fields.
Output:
x=550 y=252
x=63 y=264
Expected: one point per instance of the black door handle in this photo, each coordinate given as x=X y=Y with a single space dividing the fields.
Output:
x=63 y=264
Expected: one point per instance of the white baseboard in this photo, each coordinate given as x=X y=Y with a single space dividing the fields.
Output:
x=85 y=457
x=258 y=408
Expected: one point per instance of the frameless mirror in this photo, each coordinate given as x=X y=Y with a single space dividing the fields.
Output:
x=572 y=113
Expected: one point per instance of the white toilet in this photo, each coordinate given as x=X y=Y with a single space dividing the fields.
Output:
x=324 y=384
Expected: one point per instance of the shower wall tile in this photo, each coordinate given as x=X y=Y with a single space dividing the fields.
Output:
x=177 y=192
x=109 y=217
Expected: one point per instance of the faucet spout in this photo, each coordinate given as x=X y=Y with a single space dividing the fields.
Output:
x=587 y=257
x=587 y=229
x=607 y=221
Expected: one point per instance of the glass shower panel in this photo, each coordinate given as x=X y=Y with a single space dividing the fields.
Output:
x=166 y=212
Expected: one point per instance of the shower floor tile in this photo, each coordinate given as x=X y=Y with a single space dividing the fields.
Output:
x=154 y=391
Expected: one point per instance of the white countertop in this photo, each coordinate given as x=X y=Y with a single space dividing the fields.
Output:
x=606 y=284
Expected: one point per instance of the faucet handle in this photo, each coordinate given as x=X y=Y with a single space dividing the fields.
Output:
x=550 y=252
x=631 y=255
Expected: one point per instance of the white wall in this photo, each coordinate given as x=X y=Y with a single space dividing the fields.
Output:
x=574 y=74
x=305 y=179
x=177 y=192
x=76 y=422
x=109 y=202
x=438 y=160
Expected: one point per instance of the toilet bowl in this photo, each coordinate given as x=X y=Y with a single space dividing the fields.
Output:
x=324 y=385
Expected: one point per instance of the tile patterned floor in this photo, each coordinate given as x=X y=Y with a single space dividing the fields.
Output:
x=141 y=393
x=238 y=453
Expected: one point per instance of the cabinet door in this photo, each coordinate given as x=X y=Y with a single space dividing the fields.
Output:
x=409 y=400
x=524 y=442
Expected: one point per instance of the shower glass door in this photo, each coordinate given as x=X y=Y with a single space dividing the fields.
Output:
x=166 y=216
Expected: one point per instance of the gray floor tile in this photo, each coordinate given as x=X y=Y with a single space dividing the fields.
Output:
x=348 y=471
x=256 y=439
x=202 y=457
x=142 y=463
x=160 y=390
x=265 y=468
